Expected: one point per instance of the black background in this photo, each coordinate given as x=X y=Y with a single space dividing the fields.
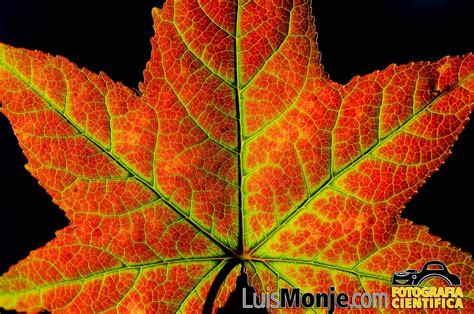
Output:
x=355 y=37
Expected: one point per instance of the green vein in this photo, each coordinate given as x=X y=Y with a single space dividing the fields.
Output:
x=199 y=58
x=129 y=290
x=212 y=21
x=270 y=58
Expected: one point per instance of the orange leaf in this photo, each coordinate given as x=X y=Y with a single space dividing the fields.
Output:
x=237 y=148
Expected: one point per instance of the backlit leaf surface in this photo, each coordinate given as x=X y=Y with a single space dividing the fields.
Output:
x=237 y=146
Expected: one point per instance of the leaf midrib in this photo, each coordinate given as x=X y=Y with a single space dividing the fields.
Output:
x=239 y=115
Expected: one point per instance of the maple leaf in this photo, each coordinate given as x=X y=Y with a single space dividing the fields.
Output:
x=238 y=149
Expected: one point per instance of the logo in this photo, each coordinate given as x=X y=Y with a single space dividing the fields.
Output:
x=411 y=277
x=410 y=292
